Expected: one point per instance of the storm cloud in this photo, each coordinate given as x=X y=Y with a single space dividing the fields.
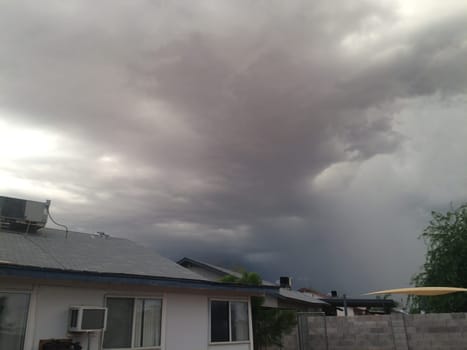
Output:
x=309 y=139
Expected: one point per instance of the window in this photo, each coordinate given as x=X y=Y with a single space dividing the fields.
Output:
x=13 y=317
x=133 y=323
x=229 y=321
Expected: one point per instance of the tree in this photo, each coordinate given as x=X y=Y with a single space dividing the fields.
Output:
x=269 y=325
x=446 y=262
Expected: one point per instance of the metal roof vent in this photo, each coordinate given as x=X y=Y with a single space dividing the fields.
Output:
x=22 y=215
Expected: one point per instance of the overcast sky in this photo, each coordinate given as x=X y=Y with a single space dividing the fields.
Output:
x=301 y=138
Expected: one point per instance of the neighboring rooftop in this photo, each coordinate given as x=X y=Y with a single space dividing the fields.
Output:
x=363 y=306
x=313 y=292
x=216 y=270
x=294 y=295
x=212 y=272
x=50 y=248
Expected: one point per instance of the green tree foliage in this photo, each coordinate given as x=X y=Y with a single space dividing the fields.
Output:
x=269 y=325
x=446 y=262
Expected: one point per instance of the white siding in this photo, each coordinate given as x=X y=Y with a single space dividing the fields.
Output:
x=51 y=313
x=185 y=322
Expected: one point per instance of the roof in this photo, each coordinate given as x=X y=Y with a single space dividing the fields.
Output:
x=281 y=293
x=339 y=302
x=294 y=295
x=50 y=248
x=52 y=255
x=10 y=270
x=209 y=267
x=217 y=269
x=312 y=291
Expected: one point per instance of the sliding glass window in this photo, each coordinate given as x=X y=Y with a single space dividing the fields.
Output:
x=133 y=323
x=13 y=319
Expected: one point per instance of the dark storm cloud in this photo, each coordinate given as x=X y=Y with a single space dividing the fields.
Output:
x=205 y=128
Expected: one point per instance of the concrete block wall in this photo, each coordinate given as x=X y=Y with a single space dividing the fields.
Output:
x=437 y=331
x=382 y=332
x=362 y=332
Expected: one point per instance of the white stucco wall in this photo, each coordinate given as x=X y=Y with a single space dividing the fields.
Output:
x=185 y=328
x=51 y=313
x=185 y=320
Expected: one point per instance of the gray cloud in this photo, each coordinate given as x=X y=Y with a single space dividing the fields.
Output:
x=246 y=134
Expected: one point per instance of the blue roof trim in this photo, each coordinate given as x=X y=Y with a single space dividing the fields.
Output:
x=9 y=270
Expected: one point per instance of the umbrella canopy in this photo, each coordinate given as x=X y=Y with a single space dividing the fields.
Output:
x=420 y=291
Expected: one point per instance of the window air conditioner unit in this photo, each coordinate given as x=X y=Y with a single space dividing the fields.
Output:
x=87 y=319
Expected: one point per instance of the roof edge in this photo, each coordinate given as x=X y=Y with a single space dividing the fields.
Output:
x=209 y=267
x=13 y=270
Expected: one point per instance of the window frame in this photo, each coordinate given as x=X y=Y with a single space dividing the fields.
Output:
x=29 y=314
x=250 y=321
x=133 y=324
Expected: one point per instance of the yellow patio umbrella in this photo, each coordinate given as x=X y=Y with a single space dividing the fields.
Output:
x=430 y=291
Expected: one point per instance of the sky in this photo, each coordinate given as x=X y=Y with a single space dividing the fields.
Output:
x=309 y=139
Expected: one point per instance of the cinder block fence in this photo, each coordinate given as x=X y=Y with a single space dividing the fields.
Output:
x=382 y=332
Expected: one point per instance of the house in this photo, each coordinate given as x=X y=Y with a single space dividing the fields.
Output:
x=344 y=306
x=284 y=297
x=52 y=282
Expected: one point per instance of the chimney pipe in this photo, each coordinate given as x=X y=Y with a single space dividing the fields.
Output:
x=285 y=282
